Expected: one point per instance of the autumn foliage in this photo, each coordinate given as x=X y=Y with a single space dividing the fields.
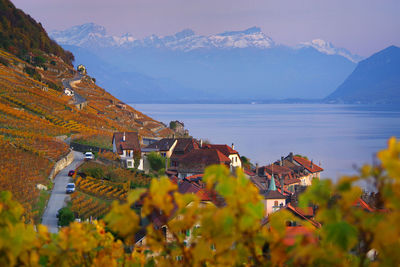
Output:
x=231 y=234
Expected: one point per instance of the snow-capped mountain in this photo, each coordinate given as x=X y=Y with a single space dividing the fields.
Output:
x=216 y=66
x=187 y=40
x=90 y=34
x=327 y=48
x=82 y=35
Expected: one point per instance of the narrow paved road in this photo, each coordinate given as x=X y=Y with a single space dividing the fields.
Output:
x=58 y=196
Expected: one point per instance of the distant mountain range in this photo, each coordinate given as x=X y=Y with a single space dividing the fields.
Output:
x=91 y=35
x=375 y=80
x=227 y=67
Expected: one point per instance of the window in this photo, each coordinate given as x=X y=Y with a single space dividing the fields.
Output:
x=129 y=163
x=276 y=203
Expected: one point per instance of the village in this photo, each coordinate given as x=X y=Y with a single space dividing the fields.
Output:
x=280 y=183
x=184 y=159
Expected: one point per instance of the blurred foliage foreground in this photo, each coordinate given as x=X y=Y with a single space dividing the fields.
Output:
x=221 y=236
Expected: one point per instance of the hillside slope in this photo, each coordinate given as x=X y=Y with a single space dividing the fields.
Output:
x=375 y=80
x=32 y=115
x=20 y=34
x=36 y=115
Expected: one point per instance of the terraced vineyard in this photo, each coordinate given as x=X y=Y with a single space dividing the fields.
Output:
x=101 y=188
x=21 y=171
x=86 y=207
x=34 y=113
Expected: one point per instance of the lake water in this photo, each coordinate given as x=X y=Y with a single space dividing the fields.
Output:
x=339 y=137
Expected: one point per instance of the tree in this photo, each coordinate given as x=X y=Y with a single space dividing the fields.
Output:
x=156 y=161
x=172 y=125
x=245 y=162
x=136 y=157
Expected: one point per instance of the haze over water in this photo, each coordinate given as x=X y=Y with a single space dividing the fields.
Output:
x=338 y=137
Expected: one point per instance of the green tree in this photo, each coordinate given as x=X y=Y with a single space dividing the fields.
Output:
x=137 y=157
x=156 y=161
x=245 y=162
x=172 y=125
x=65 y=216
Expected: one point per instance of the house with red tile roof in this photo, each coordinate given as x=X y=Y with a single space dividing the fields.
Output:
x=228 y=151
x=127 y=145
x=184 y=146
x=294 y=233
x=312 y=170
x=281 y=173
x=197 y=160
x=305 y=214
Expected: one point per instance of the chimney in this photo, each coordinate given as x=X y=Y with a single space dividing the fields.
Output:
x=123 y=137
x=311 y=164
x=281 y=161
x=233 y=146
x=282 y=182
x=291 y=157
x=201 y=143
x=257 y=169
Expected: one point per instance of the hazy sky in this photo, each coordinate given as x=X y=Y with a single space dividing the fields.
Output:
x=361 y=26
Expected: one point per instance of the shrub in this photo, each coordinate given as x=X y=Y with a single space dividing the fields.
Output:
x=95 y=172
x=39 y=60
x=65 y=216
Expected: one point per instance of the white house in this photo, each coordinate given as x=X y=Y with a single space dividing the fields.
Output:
x=127 y=145
x=68 y=92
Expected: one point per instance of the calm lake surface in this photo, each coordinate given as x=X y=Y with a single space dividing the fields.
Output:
x=339 y=137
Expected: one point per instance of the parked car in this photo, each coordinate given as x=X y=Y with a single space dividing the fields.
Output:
x=71 y=172
x=89 y=156
x=70 y=188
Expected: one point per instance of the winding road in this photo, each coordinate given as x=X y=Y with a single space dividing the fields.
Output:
x=58 y=198
x=78 y=99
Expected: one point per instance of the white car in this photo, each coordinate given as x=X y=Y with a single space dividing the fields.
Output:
x=70 y=188
x=89 y=156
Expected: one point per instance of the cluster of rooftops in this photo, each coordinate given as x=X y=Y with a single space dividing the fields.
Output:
x=280 y=183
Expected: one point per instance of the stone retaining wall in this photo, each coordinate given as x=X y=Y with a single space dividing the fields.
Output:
x=61 y=164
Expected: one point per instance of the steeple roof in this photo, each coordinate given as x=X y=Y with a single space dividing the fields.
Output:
x=272 y=186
